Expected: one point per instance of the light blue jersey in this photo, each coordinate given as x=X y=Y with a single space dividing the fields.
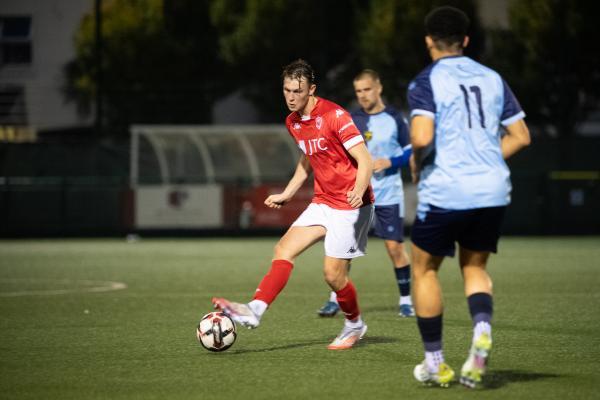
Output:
x=468 y=102
x=386 y=135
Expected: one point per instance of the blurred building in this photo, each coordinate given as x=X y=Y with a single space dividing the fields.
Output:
x=36 y=41
x=493 y=13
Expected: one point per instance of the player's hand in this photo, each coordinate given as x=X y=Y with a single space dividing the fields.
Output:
x=276 y=200
x=381 y=164
x=414 y=169
x=354 y=199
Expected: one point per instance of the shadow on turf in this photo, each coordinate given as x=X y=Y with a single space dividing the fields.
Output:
x=277 y=348
x=369 y=340
x=377 y=309
x=378 y=340
x=500 y=378
x=496 y=379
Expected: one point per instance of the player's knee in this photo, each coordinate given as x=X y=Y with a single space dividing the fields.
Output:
x=398 y=254
x=334 y=277
x=281 y=253
x=329 y=276
x=423 y=273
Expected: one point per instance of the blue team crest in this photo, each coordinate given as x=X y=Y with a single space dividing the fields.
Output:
x=368 y=135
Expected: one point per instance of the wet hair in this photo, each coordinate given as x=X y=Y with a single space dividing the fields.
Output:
x=447 y=26
x=367 y=73
x=299 y=69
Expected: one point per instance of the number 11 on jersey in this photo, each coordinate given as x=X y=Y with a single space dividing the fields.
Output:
x=477 y=91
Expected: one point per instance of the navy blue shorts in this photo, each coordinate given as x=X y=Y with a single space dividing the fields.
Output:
x=389 y=225
x=476 y=229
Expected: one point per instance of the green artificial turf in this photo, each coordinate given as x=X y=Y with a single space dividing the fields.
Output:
x=59 y=339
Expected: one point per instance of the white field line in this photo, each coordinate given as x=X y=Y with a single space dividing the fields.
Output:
x=88 y=287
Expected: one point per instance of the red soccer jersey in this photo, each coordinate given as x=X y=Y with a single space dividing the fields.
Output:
x=325 y=139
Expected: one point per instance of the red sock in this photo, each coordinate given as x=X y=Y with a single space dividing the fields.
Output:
x=274 y=281
x=348 y=301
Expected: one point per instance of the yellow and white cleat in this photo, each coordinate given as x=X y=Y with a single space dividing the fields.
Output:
x=442 y=377
x=471 y=374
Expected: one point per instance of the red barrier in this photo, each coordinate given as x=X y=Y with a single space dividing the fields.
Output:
x=252 y=213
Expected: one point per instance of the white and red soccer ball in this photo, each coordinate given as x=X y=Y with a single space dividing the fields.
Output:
x=216 y=332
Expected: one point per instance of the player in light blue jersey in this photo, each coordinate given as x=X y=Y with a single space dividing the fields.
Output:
x=386 y=134
x=458 y=107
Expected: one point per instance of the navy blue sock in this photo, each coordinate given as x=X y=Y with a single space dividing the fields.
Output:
x=431 y=332
x=481 y=307
x=403 y=279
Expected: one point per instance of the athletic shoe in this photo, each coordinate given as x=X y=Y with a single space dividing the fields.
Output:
x=348 y=338
x=240 y=313
x=442 y=378
x=329 y=309
x=406 y=310
x=473 y=369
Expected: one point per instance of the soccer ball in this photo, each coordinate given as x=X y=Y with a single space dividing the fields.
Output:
x=216 y=332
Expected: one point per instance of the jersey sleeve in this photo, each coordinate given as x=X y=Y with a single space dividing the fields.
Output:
x=420 y=96
x=360 y=120
x=400 y=159
x=511 y=109
x=403 y=135
x=343 y=126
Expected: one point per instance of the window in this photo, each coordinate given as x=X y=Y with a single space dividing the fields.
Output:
x=13 y=115
x=15 y=40
x=12 y=105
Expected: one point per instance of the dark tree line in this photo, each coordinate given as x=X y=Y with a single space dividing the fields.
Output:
x=170 y=61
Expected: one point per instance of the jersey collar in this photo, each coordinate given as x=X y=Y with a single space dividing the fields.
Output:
x=312 y=113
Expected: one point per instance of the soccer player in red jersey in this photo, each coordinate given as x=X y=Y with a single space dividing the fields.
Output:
x=340 y=212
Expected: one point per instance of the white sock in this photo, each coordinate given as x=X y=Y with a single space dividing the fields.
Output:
x=405 y=300
x=480 y=328
x=258 y=307
x=357 y=323
x=333 y=297
x=433 y=359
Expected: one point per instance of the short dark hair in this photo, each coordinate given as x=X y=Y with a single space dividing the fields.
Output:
x=367 y=73
x=299 y=69
x=447 y=25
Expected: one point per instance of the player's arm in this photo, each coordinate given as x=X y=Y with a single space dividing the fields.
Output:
x=391 y=165
x=363 y=176
x=517 y=133
x=303 y=170
x=516 y=138
x=421 y=137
